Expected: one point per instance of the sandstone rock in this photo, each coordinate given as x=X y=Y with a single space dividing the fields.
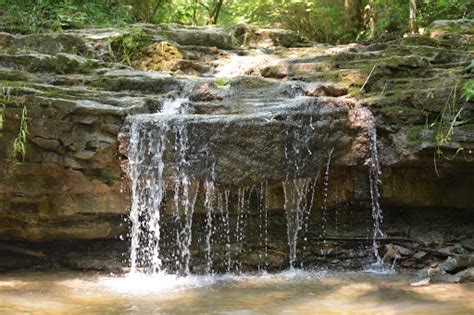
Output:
x=468 y=244
x=420 y=255
x=466 y=275
x=420 y=283
x=276 y=72
x=70 y=185
x=214 y=36
x=87 y=262
x=457 y=262
x=326 y=90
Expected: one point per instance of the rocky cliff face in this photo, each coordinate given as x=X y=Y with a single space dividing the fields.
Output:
x=259 y=106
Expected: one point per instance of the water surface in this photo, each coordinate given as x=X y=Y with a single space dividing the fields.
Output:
x=284 y=293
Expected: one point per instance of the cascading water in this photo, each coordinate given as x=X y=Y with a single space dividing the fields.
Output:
x=325 y=195
x=297 y=205
x=234 y=221
x=374 y=181
x=147 y=195
x=208 y=204
x=146 y=169
x=263 y=227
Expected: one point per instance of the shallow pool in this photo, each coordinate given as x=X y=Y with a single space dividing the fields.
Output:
x=291 y=292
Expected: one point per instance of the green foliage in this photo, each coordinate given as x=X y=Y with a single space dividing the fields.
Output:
x=430 y=10
x=145 y=10
x=2 y=108
x=391 y=18
x=222 y=83
x=468 y=90
x=194 y=12
x=318 y=20
x=19 y=144
x=445 y=124
x=4 y=96
x=32 y=16
x=127 y=47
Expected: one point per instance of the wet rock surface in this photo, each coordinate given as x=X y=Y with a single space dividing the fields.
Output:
x=251 y=95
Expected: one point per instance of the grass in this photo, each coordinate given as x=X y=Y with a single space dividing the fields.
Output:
x=126 y=47
x=19 y=144
x=445 y=124
x=5 y=97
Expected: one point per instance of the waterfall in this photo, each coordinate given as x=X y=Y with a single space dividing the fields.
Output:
x=297 y=205
x=146 y=170
x=374 y=181
x=325 y=195
x=147 y=186
x=263 y=227
x=169 y=181
x=208 y=204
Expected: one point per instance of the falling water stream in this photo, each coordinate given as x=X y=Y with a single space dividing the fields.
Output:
x=374 y=182
x=223 y=240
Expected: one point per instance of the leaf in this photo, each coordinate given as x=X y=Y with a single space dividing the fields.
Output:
x=222 y=83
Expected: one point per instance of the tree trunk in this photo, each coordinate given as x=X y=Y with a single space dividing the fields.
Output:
x=353 y=15
x=216 y=11
x=412 y=19
x=369 y=18
x=213 y=12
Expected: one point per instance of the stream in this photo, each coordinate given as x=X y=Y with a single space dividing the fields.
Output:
x=288 y=292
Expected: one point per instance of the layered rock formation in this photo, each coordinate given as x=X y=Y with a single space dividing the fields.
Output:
x=260 y=106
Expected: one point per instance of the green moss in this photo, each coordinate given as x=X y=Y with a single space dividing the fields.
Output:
x=453 y=28
x=254 y=83
x=15 y=76
x=222 y=83
x=420 y=40
x=401 y=110
x=127 y=47
x=12 y=84
x=468 y=126
x=414 y=136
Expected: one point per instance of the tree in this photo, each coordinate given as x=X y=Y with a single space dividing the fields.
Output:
x=213 y=9
x=353 y=15
x=145 y=10
x=412 y=17
x=369 y=18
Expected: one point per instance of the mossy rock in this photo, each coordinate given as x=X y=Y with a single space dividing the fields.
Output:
x=252 y=83
x=419 y=40
x=16 y=76
x=401 y=110
x=419 y=134
x=127 y=47
x=463 y=26
x=251 y=36
x=161 y=56
x=60 y=63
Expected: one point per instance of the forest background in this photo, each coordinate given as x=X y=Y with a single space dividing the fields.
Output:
x=332 y=21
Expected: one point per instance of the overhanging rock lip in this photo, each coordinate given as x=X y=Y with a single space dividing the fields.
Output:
x=301 y=105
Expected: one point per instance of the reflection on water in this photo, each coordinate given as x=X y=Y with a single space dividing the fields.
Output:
x=294 y=292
